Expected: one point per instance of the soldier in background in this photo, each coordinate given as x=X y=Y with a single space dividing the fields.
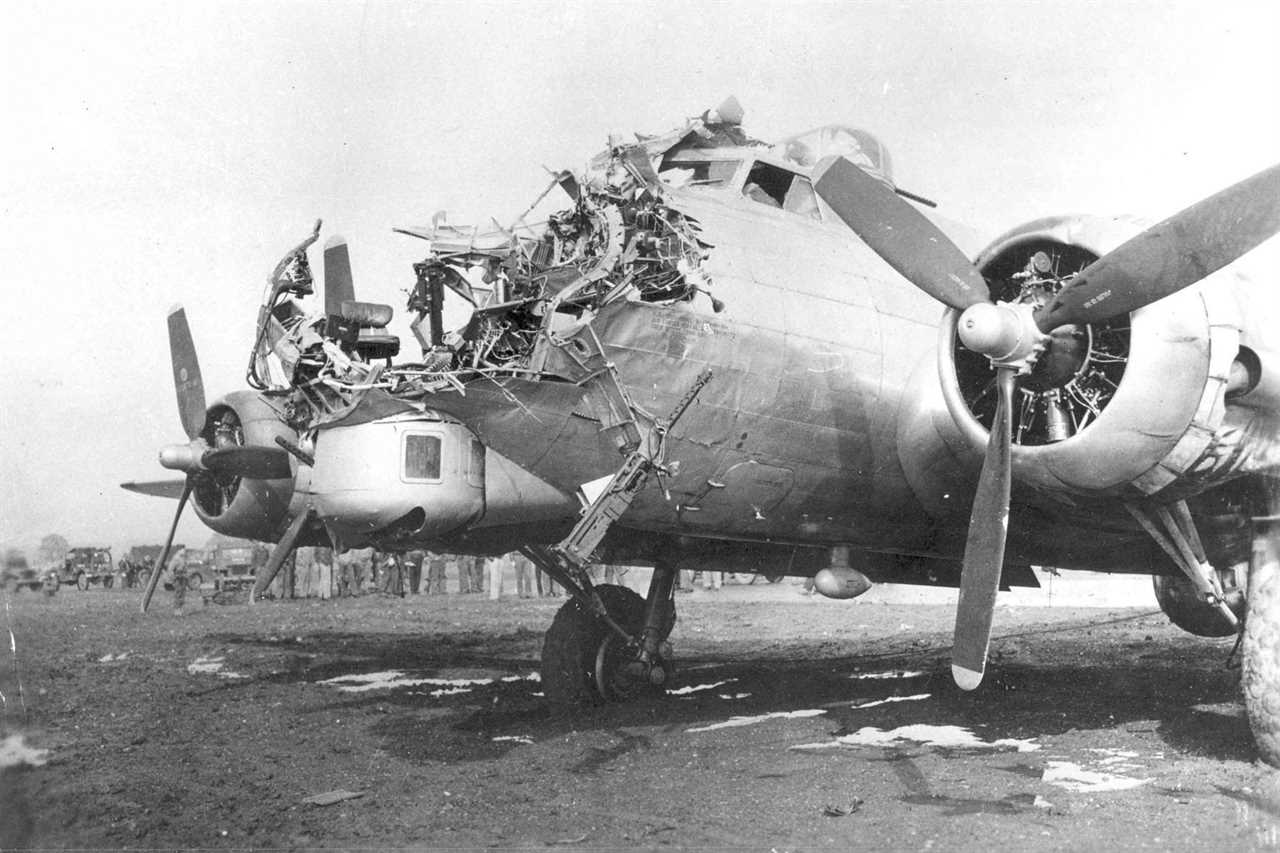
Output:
x=392 y=575
x=346 y=576
x=128 y=573
x=477 y=573
x=178 y=566
x=413 y=567
x=546 y=586
x=436 y=567
x=524 y=575
x=465 y=578
x=497 y=567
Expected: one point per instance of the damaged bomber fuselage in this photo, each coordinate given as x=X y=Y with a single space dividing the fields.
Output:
x=823 y=422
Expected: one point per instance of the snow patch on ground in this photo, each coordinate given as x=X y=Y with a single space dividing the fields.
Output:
x=395 y=678
x=14 y=752
x=1073 y=777
x=948 y=737
x=1234 y=710
x=699 y=688
x=896 y=673
x=736 y=722
x=208 y=665
x=891 y=699
x=444 y=691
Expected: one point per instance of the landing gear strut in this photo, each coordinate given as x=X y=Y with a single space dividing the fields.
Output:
x=588 y=657
x=606 y=643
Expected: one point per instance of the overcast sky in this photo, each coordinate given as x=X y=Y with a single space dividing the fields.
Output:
x=157 y=153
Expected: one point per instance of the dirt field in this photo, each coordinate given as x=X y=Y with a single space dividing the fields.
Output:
x=1096 y=729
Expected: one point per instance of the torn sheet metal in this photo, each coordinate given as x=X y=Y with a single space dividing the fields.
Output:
x=536 y=289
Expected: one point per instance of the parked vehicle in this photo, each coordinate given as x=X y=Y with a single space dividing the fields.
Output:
x=88 y=565
x=234 y=564
x=17 y=574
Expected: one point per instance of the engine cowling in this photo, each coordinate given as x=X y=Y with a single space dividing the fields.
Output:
x=417 y=479
x=1130 y=404
x=243 y=507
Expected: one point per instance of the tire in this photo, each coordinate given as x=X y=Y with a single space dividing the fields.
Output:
x=108 y=581
x=82 y=581
x=141 y=579
x=1179 y=601
x=576 y=637
x=1260 y=671
x=194 y=581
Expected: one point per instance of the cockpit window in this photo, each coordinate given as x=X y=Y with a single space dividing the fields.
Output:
x=857 y=146
x=802 y=199
x=678 y=172
x=777 y=187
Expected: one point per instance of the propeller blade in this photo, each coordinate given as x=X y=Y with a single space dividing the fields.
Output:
x=278 y=555
x=158 y=568
x=186 y=373
x=157 y=488
x=984 y=550
x=255 y=462
x=899 y=233
x=338 y=286
x=1171 y=255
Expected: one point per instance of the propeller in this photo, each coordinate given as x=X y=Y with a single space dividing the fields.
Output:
x=279 y=554
x=158 y=568
x=210 y=470
x=1160 y=261
x=338 y=284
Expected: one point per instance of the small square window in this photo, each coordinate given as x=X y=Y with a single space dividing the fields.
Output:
x=422 y=457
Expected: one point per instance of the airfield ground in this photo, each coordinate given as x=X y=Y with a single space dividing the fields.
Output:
x=1098 y=728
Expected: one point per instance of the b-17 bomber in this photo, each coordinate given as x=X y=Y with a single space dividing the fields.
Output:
x=722 y=353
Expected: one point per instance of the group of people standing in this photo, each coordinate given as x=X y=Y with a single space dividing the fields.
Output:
x=429 y=573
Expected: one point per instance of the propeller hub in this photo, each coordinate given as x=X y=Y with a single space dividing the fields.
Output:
x=183 y=457
x=1004 y=332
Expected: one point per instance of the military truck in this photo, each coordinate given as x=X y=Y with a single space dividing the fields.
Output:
x=88 y=565
x=235 y=563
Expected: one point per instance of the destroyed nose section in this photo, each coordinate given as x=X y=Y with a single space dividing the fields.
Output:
x=404 y=479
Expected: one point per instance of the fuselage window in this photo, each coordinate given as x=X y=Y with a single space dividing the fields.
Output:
x=421 y=457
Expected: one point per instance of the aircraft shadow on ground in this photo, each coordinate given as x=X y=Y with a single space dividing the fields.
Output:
x=1186 y=696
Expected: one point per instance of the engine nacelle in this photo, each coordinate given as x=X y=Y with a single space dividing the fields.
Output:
x=240 y=506
x=1132 y=403
x=412 y=480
